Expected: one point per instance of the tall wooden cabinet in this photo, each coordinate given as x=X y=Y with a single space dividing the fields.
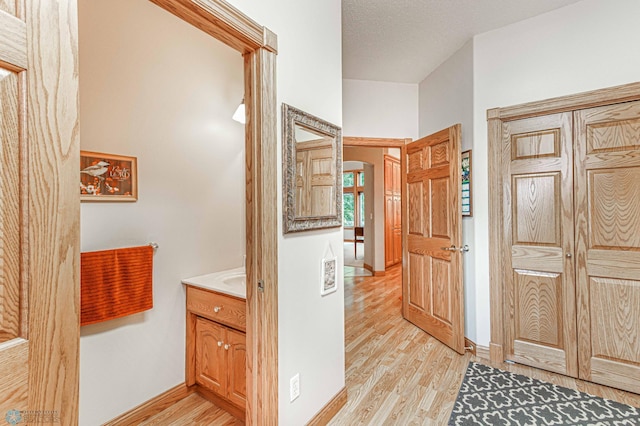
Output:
x=566 y=240
x=392 y=211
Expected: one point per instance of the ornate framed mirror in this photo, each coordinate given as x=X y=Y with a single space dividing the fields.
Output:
x=312 y=171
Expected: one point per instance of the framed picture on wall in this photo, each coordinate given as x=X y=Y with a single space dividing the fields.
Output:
x=329 y=282
x=108 y=177
x=467 y=209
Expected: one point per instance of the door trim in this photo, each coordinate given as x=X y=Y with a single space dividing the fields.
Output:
x=495 y=118
x=258 y=45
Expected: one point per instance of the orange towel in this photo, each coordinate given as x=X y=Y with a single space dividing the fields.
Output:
x=115 y=283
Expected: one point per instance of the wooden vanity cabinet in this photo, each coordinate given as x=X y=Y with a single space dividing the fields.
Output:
x=216 y=348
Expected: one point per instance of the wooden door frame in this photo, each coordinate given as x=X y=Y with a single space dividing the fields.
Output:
x=364 y=142
x=497 y=153
x=258 y=45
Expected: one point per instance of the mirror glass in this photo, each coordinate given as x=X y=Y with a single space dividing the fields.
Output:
x=312 y=170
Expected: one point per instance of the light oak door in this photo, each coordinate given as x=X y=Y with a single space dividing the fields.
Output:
x=538 y=232
x=392 y=211
x=607 y=189
x=39 y=212
x=432 y=289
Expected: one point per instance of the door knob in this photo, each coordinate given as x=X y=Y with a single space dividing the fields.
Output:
x=462 y=249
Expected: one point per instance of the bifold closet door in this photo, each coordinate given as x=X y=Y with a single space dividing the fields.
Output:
x=607 y=202
x=538 y=231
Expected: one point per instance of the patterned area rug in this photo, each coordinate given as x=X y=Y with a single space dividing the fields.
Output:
x=489 y=396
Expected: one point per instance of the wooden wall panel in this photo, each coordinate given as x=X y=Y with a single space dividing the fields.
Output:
x=536 y=209
x=614 y=201
x=535 y=145
x=440 y=208
x=539 y=307
x=416 y=214
x=416 y=161
x=10 y=213
x=417 y=295
x=615 y=333
x=9 y=6
x=441 y=277
x=611 y=136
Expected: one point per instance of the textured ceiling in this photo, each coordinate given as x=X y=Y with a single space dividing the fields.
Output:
x=405 y=40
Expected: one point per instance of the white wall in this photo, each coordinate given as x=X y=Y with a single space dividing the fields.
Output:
x=380 y=109
x=310 y=327
x=374 y=242
x=153 y=87
x=585 y=46
x=446 y=98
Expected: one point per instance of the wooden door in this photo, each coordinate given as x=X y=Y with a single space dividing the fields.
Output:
x=315 y=178
x=607 y=191
x=432 y=290
x=237 y=362
x=392 y=211
x=39 y=212
x=538 y=235
x=211 y=364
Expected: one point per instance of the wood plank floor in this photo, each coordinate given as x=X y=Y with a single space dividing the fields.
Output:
x=395 y=373
x=399 y=375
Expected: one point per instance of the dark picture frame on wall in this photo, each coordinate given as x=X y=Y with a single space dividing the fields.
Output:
x=467 y=204
x=108 y=177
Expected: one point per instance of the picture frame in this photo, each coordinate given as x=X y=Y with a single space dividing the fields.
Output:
x=329 y=280
x=466 y=184
x=108 y=177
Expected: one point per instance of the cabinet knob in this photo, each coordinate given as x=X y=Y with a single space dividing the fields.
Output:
x=219 y=343
x=568 y=255
x=216 y=309
x=226 y=347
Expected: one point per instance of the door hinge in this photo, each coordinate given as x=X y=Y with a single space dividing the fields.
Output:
x=261 y=286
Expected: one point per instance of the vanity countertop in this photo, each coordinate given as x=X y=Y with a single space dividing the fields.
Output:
x=230 y=281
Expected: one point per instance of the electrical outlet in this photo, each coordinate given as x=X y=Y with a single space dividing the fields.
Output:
x=294 y=387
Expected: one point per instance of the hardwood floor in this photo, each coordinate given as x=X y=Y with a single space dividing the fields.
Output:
x=398 y=375
x=193 y=410
x=395 y=373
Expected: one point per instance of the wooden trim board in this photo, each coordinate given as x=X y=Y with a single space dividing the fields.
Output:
x=152 y=407
x=374 y=142
x=259 y=46
x=330 y=410
x=483 y=352
x=593 y=98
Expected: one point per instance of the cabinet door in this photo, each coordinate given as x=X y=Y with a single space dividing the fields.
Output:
x=211 y=356
x=237 y=366
x=607 y=199
x=538 y=230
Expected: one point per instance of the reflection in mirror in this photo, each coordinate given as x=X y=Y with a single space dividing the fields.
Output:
x=312 y=171
x=315 y=173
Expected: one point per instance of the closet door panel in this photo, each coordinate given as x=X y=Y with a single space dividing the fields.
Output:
x=538 y=229
x=607 y=189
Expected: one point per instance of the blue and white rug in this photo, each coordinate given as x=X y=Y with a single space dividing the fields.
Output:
x=489 y=396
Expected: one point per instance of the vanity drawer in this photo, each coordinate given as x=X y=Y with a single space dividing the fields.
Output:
x=217 y=307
